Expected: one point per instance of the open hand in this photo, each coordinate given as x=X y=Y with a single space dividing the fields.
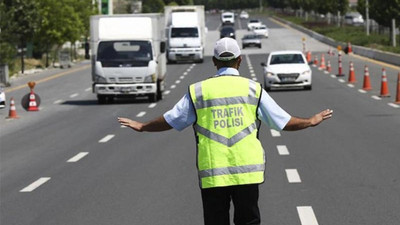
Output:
x=318 y=118
x=130 y=123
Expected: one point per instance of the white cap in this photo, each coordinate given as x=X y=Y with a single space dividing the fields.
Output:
x=226 y=45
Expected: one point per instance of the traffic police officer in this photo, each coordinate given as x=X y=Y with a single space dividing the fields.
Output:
x=225 y=111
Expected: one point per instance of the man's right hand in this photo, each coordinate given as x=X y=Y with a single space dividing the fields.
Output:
x=138 y=126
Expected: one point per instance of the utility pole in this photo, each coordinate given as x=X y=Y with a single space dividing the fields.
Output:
x=367 y=16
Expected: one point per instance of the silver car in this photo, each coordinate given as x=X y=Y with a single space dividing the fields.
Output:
x=251 y=40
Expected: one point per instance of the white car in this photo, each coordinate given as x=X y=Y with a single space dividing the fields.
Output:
x=244 y=15
x=253 y=23
x=2 y=98
x=261 y=30
x=228 y=18
x=287 y=69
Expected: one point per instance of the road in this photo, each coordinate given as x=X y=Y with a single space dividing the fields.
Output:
x=72 y=163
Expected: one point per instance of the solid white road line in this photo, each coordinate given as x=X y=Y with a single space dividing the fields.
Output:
x=78 y=157
x=74 y=95
x=376 y=97
x=306 y=215
x=59 y=101
x=141 y=114
x=275 y=133
x=282 y=150
x=152 y=105
x=35 y=184
x=106 y=138
x=394 y=105
x=293 y=176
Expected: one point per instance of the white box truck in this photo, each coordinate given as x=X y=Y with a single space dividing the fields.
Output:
x=186 y=33
x=128 y=56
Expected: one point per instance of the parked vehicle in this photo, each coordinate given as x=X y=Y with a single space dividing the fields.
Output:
x=353 y=18
x=228 y=18
x=251 y=40
x=227 y=31
x=253 y=23
x=286 y=69
x=261 y=31
x=127 y=56
x=186 y=33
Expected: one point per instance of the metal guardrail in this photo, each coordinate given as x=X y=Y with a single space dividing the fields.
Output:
x=387 y=57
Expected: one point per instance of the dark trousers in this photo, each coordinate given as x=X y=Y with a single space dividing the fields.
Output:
x=216 y=203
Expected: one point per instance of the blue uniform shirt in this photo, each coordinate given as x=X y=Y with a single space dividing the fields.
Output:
x=269 y=112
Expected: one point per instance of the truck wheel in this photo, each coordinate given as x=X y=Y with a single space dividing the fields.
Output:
x=152 y=97
x=101 y=99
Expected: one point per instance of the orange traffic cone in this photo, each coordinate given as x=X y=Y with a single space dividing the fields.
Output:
x=13 y=112
x=398 y=89
x=349 y=49
x=367 y=82
x=32 y=102
x=384 y=85
x=352 y=76
x=309 y=60
x=315 y=60
x=322 y=65
x=328 y=67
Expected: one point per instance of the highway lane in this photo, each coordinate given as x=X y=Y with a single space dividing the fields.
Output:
x=347 y=167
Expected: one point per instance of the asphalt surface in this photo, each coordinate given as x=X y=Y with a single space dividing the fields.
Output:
x=72 y=163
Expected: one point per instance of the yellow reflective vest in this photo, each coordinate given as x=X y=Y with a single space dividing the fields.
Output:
x=228 y=150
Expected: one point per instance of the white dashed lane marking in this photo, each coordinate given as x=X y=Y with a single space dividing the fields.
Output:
x=282 y=150
x=275 y=133
x=78 y=157
x=167 y=92
x=59 y=101
x=88 y=89
x=306 y=215
x=394 y=105
x=152 y=105
x=35 y=184
x=293 y=176
x=74 y=95
x=173 y=86
x=375 y=97
x=177 y=81
x=107 y=138
x=141 y=114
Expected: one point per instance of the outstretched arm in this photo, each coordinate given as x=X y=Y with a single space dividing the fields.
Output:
x=156 y=125
x=296 y=123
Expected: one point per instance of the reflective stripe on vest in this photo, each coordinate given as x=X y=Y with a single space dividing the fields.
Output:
x=230 y=154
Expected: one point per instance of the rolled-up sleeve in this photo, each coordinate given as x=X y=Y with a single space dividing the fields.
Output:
x=271 y=113
x=181 y=115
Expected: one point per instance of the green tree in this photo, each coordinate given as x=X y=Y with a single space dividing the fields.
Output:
x=19 y=20
x=154 y=6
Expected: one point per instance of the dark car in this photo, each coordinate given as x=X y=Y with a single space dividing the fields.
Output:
x=227 y=31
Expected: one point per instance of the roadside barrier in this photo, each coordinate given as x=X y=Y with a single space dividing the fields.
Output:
x=398 y=89
x=367 y=81
x=322 y=65
x=340 y=73
x=309 y=59
x=328 y=67
x=33 y=106
x=352 y=75
x=349 y=49
x=316 y=61
x=12 y=114
x=384 y=85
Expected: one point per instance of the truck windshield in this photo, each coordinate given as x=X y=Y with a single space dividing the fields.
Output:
x=124 y=53
x=184 y=32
